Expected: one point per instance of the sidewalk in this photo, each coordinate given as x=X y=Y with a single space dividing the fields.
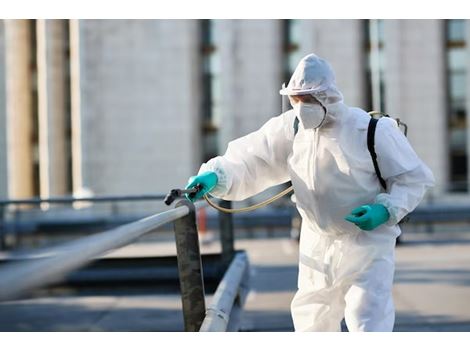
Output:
x=431 y=292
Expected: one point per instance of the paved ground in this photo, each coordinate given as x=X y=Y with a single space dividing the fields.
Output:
x=432 y=283
x=432 y=291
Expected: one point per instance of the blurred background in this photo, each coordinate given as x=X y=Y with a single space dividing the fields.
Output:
x=133 y=107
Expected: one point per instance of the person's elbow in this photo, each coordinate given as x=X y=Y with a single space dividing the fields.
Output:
x=428 y=177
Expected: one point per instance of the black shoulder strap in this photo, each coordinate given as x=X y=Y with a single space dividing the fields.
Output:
x=296 y=126
x=371 y=147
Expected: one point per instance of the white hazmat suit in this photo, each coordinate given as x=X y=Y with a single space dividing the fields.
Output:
x=343 y=270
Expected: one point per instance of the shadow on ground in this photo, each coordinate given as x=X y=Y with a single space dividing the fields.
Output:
x=415 y=322
x=267 y=278
x=100 y=314
x=412 y=275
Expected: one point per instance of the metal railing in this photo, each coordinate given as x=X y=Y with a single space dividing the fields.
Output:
x=52 y=264
x=38 y=201
x=224 y=312
x=68 y=199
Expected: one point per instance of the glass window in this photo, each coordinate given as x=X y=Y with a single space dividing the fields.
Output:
x=292 y=52
x=34 y=106
x=210 y=105
x=456 y=30
x=458 y=140
x=457 y=85
x=375 y=64
x=459 y=171
x=457 y=58
x=457 y=115
x=381 y=31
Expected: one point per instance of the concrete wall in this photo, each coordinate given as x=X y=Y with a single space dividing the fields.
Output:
x=3 y=117
x=341 y=43
x=139 y=104
x=415 y=88
x=19 y=108
x=251 y=75
x=53 y=95
x=138 y=94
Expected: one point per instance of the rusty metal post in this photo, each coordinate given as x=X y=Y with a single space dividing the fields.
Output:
x=190 y=268
x=226 y=233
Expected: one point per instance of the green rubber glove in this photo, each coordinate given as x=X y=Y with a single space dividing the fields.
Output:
x=208 y=180
x=369 y=217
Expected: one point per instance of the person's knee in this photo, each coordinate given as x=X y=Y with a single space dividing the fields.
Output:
x=369 y=310
x=320 y=310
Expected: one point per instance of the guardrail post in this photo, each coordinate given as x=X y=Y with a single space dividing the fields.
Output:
x=190 y=268
x=226 y=233
x=429 y=225
x=2 y=227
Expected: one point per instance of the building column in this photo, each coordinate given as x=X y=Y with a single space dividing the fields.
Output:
x=308 y=38
x=341 y=43
x=225 y=40
x=52 y=99
x=135 y=95
x=75 y=113
x=413 y=50
x=19 y=108
x=3 y=118
x=251 y=67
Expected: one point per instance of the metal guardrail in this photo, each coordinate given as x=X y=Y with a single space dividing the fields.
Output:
x=5 y=203
x=440 y=213
x=59 y=260
x=95 y=199
x=229 y=298
x=52 y=264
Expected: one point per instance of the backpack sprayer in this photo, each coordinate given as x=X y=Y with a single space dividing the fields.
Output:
x=178 y=193
x=398 y=121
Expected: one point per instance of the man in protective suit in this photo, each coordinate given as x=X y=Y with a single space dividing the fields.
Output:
x=349 y=222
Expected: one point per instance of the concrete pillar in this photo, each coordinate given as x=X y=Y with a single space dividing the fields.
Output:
x=136 y=104
x=3 y=118
x=226 y=41
x=19 y=108
x=415 y=84
x=53 y=93
x=308 y=40
x=253 y=79
x=341 y=43
x=75 y=106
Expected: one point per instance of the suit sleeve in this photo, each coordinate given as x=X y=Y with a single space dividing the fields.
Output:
x=254 y=162
x=407 y=177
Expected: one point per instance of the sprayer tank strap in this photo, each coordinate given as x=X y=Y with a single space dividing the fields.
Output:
x=296 y=125
x=371 y=146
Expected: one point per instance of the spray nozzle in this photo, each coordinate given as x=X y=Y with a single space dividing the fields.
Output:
x=178 y=193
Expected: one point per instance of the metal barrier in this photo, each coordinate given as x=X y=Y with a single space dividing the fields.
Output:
x=95 y=199
x=224 y=312
x=52 y=264
x=5 y=203
x=190 y=268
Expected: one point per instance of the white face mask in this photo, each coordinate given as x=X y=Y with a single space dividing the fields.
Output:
x=311 y=115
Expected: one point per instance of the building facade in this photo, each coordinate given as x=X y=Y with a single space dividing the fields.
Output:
x=134 y=106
